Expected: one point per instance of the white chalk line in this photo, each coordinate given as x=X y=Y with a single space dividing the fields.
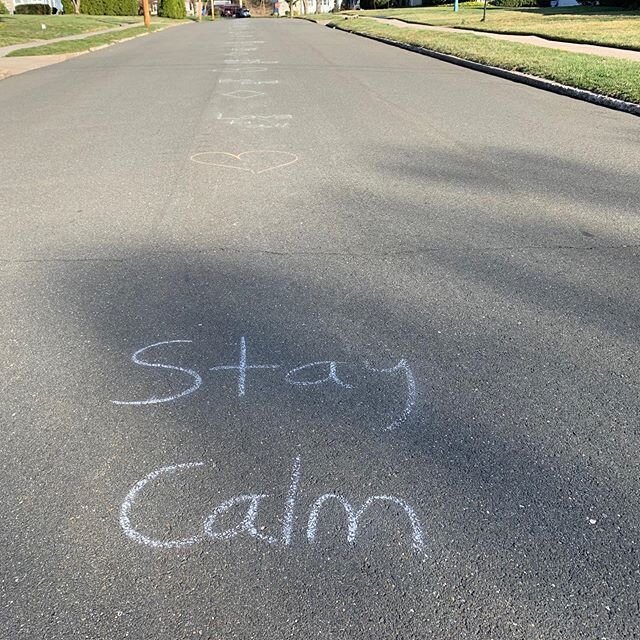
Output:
x=244 y=94
x=410 y=402
x=136 y=360
x=246 y=81
x=241 y=70
x=289 y=513
x=248 y=524
x=242 y=367
x=248 y=62
x=331 y=377
x=129 y=501
x=199 y=158
x=353 y=517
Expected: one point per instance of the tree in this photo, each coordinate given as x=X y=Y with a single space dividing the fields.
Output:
x=172 y=9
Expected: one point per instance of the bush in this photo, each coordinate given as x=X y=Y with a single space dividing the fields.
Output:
x=172 y=9
x=68 y=7
x=3 y=9
x=34 y=9
x=516 y=4
x=106 y=7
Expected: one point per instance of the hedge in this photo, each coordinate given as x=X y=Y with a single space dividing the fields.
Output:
x=103 y=7
x=172 y=9
x=33 y=9
x=3 y=9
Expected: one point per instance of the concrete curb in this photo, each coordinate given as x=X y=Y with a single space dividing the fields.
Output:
x=516 y=76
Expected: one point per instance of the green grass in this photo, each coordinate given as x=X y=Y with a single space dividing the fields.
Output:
x=84 y=44
x=19 y=29
x=609 y=76
x=594 y=25
x=318 y=17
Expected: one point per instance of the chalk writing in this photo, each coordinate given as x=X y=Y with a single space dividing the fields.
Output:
x=242 y=367
x=240 y=70
x=323 y=372
x=197 y=380
x=255 y=162
x=243 y=94
x=332 y=375
x=258 y=122
x=247 y=525
x=246 y=81
x=255 y=61
x=404 y=367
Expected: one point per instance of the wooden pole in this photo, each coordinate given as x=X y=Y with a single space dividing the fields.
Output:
x=146 y=12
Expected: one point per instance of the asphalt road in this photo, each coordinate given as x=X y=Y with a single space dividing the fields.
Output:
x=437 y=273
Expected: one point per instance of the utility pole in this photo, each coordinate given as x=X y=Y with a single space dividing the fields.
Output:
x=147 y=14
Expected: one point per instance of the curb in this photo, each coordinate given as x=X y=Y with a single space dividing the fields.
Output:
x=515 y=76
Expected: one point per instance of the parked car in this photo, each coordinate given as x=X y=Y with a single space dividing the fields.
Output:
x=243 y=12
x=229 y=10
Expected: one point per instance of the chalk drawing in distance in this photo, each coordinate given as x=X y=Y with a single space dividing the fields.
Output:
x=255 y=162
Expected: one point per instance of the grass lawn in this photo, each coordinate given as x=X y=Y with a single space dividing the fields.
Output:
x=318 y=17
x=594 y=25
x=18 y=29
x=84 y=44
x=609 y=76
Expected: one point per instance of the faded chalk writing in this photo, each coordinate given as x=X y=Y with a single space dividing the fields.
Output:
x=246 y=81
x=243 y=94
x=258 y=122
x=256 y=61
x=255 y=162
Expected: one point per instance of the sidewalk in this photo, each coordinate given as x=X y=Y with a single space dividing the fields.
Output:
x=613 y=52
x=78 y=36
x=14 y=66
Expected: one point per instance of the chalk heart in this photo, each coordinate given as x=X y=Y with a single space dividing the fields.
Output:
x=255 y=162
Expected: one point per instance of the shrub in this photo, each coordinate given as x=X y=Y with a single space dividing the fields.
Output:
x=107 y=7
x=34 y=9
x=3 y=9
x=68 y=7
x=516 y=4
x=172 y=9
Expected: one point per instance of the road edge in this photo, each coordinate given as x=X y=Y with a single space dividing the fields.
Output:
x=516 y=76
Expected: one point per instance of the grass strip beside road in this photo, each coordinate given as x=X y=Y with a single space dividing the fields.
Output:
x=318 y=17
x=608 y=76
x=16 y=29
x=84 y=44
x=605 y=26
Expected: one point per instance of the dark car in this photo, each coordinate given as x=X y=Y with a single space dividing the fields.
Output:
x=243 y=12
x=229 y=10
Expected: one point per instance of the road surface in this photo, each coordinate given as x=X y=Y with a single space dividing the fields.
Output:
x=304 y=336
